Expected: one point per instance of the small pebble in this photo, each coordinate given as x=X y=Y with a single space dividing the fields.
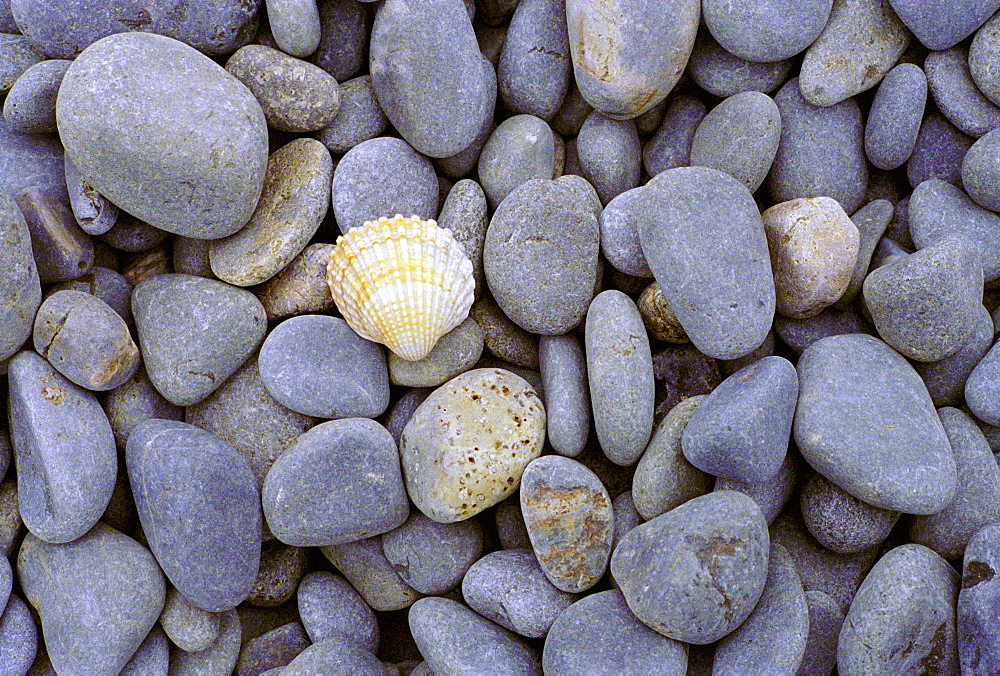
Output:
x=660 y=320
x=30 y=105
x=724 y=74
x=978 y=644
x=567 y=400
x=281 y=568
x=275 y=648
x=18 y=637
x=945 y=379
x=343 y=38
x=893 y=123
x=980 y=173
x=189 y=627
x=219 y=658
x=982 y=54
x=533 y=72
x=871 y=220
x=295 y=25
x=454 y=353
x=335 y=655
x=938 y=152
x=366 y=567
x=300 y=287
x=609 y=152
x=433 y=557
x=982 y=387
x=134 y=401
x=329 y=607
x=62 y=250
x=955 y=93
x=839 y=521
x=20 y=287
x=825 y=623
x=359 y=117
x=772 y=494
x=670 y=147
x=766 y=31
x=520 y=149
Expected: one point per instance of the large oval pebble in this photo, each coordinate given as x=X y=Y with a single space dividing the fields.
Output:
x=20 y=288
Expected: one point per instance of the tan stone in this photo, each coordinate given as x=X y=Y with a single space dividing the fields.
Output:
x=659 y=318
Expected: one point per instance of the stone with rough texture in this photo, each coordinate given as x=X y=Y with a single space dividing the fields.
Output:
x=219 y=658
x=335 y=656
x=610 y=155
x=520 y=149
x=722 y=73
x=273 y=649
x=838 y=520
x=17 y=55
x=295 y=25
x=533 y=73
x=871 y=220
x=366 y=567
x=455 y=352
x=766 y=30
x=567 y=400
x=189 y=627
x=940 y=24
x=938 y=152
x=329 y=607
x=670 y=146
x=620 y=234
x=20 y=288
x=978 y=644
x=956 y=95
x=982 y=56
x=134 y=401
x=893 y=122
x=18 y=636
x=772 y=494
x=980 y=171
x=981 y=388
x=343 y=37
x=300 y=287
x=62 y=250
x=945 y=379
x=28 y=160
x=433 y=557
x=825 y=622
x=30 y=105
x=358 y=118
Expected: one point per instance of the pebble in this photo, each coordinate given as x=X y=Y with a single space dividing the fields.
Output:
x=821 y=151
x=455 y=352
x=841 y=374
x=982 y=386
x=64 y=448
x=625 y=516
x=366 y=567
x=533 y=72
x=772 y=494
x=383 y=177
x=281 y=568
x=343 y=38
x=620 y=234
x=31 y=160
x=135 y=147
x=903 y=616
x=133 y=236
x=403 y=409
x=132 y=402
x=293 y=203
x=938 y=152
x=300 y=287
x=338 y=482
x=152 y=656
x=659 y=318
x=566 y=392
x=317 y=365
x=839 y=521
x=739 y=137
x=189 y=627
x=871 y=220
x=330 y=608
x=200 y=510
x=825 y=623
x=438 y=92
x=724 y=74
x=20 y=287
x=194 y=333
x=219 y=658
x=567 y=512
x=295 y=25
x=741 y=430
x=30 y=105
x=861 y=42
x=464 y=212
x=979 y=173
x=62 y=250
x=956 y=95
x=274 y=648
x=627 y=59
x=509 y=588
x=17 y=55
x=466 y=446
x=670 y=146
x=893 y=122
x=97 y=596
x=982 y=53
x=940 y=25
x=359 y=117
x=502 y=337
x=520 y=149
x=6 y=580
x=978 y=645
x=544 y=287
x=945 y=379
x=610 y=155
x=335 y=655
x=766 y=31
x=10 y=517
x=190 y=257
x=18 y=637
x=433 y=557
x=714 y=270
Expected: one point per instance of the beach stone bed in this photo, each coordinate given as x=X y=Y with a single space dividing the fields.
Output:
x=727 y=399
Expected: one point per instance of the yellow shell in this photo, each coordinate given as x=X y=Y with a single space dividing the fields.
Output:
x=402 y=282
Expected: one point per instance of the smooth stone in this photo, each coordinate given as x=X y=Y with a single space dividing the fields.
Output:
x=190 y=256
x=295 y=25
x=272 y=649
x=300 y=287
x=134 y=401
x=30 y=105
x=503 y=338
x=627 y=58
x=98 y=597
x=567 y=512
x=383 y=177
x=10 y=516
x=982 y=386
x=339 y=482
x=724 y=74
x=509 y=588
x=610 y=155
x=31 y=160
x=20 y=287
x=401 y=412
x=956 y=95
x=938 y=152
x=330 y=608
x=6 y=580
x=660 y=320
x=454 y=353
x=945 y=379
x=620 y=234
x=533 y=72
x=466 y=446
x=205 y=185
x=542 y=287
x=131 y=235
x=704 y=240
x=620 y=373
x=893 y=122
x=814 y=250
x=433 y=557
x=563 y=368
x=861 y=42
x=335 y=656
x=670 y=146
x=200 y=510
x=459 y=165
x=510 y=526
x=821 y=152
x=938 y=210
x=741 y=430
x=766 y=31
x=293 y=203
x=18 y=637
x=62 y=250
x=982 y=55
x=366 y=567
x=839 y=521
x=64 y=449
x=949 y=531
x=439 y=92
x=219 y=658
x=772 y=494
x=465 y=213
x=343 y=38
x=316 y=365
x=856 y=372
x=152 y=656
x=978 y=644
x=520 y=149
x=281 y=568
x=926 y=305
x=296 y=96
x=696 y=572
x=194 y=333
x=85 y=340
x=871 y=220
x=17 y=55
x=940 y=24
x=625 y=516
x=825 y=622
x=903 y=617
x=981 y=171
x=189 y=627
x=358 y=118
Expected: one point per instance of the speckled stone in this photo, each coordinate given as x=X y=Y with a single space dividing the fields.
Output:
x=18 y=636
x=295 y=25
x=359 y=117
x=338 y=482
x=670 y=146
x=945 y=379
x=17 y=54
x=903 y=616
x=871 y=220
x=978 y=645
x=938 y=153
x=839 y=521
x=20 y=287
x=956 y=94
x=439 y=92
x=567 y=396
x=722 y=73
x=62 y=250
x=466 y=446
x=383 y=177
x=281 y=568
x=465 y=213
x=714 y=268
x=401 y=412
x=627 y=58
x=766 y=31
x=454 y=353
x=219 y=658
x=131 y=235
x=134 y=401
x=503 y=338
x=189 y=627
x=272 y=649
x=204 y=185
x=533 y=72
x=329 y=607
x=772 y=494
x=893 y=122
x=980 y=171
x=982 y=55
x=610 y=155
x=620 y=234
x=366 y=567
x=31 y=160
x=433 y=557
x=939 y=24
x=982 y=387
x=520 y=149
x=335 y=655
x=30 y=105
x=152 y=656
x=300 y=287
x=343 y=38
x=841 y=374
x=825 y=622
x=659 y=318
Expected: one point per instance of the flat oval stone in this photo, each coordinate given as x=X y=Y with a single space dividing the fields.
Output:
x=293 y=203
x=220 y=657
x=129 y=135
x=519 y=149
x=316 y=365
x=980 y=173
x=670 y=146
x=938 y=153
x=703 y=238
x=939 y=24
x=30 y=105
x=329 y=607
x=98 y=597
x=610 y=155
x=839 y=521
x=856 y=372
x=543 y=287
x=567 y=512
x=766 y=31
x=358 y=118
x=956 y=95
x=64 y=449
x=982 y=55
x=533 y=72
x=365 y=566
x=455 y=352
x=466 y=446
x=567 y=399
x=20 y=288
x=338 y=482
x=722 y=73
x=335 y=655
x=438 y=92
x=295 y=25
x=343 y=38
x=897 y=110
x=200 y=510
x=695 y=573
x=194 y=333
x=433 y=557
x=628 y=57
x=903 y=616
x=189 y=627
x=620 y=373
x=18 y=636
x=978 y=645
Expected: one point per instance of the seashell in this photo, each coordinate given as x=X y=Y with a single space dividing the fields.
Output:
x=402 y=282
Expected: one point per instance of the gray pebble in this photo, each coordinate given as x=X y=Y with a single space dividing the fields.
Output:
x=510 y=525
x=938 y=152
x=20 y=288
x=983 y=53
x=300 y=287
x=894 y=119
x=620 y=234
x=766 y=31
x=335 y=656
x=359 y=117
x=518 y=150
x=464 y=161
x=454 y=353
x=567 y=400
x=366 y=567
x=773 y=493
x=189 y=627
x=465 y=213
x=940 y=24
x=978 y=644
x=30 y=106
x=343 y=38
x=945 y=379
x=219 y=658
x=503 y=338
x=190 y=257
x=956 y=95
x=980 y=173
x=6 y=579
x=62 y=250
x=10 y=516
x=626 y=517
x=134 y=401
x=152 y=656
x=18 y=637
x=723 y=74
x=533 y=72
x=403 y=409
x=871 y=221
x=31 y=160
x=132 y=235
x=825 y=623
x=17 y=54
x=274 y=648
x=281 y=568
x=610 y=154
x=329 y=607
x=670 y=147
x=839 y=521
x=433 y=557
x=982 y=386
x=295 y=25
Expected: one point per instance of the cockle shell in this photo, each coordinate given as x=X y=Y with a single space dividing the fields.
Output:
x=402 y=282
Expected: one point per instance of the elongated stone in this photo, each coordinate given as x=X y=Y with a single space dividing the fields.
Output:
x=20 y=288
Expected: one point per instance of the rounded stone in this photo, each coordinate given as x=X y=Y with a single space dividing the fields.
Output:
x=981 y=389
x=125 y=110
x=872 y=221
x=956 y=95
x=18 y=636
x=766 y=31
x=366 y=567
x=981 y=171
x=281 y=568
x=295 y=25
x=329 y=607
x=722 y=73
x=983 y=53
x=940 y=25
x=839 y=521
x=467 y=444
x=358 y=118
x=433 y=557
x=338 y=482
x=17 y=55
x=670 y=146
x=620 y=234
x=465 y=213
x=610 y=154
x=454 y=353
x=219 y=658
x=520 y=149
x=503 y=338
x=771 y=495
x=335 y=656
x=343 y=38
x=567 y=400
x=533 y=73
x=825 y=622
x=938 y=153
x=20 y=288
x=189 y=627
x=945 y=379
x=893 y=122
x=978 y=644
x=30 y=105
x=134 y=401
x=300 y=287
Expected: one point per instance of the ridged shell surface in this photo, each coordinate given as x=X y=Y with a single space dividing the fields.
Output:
x=402 y=282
